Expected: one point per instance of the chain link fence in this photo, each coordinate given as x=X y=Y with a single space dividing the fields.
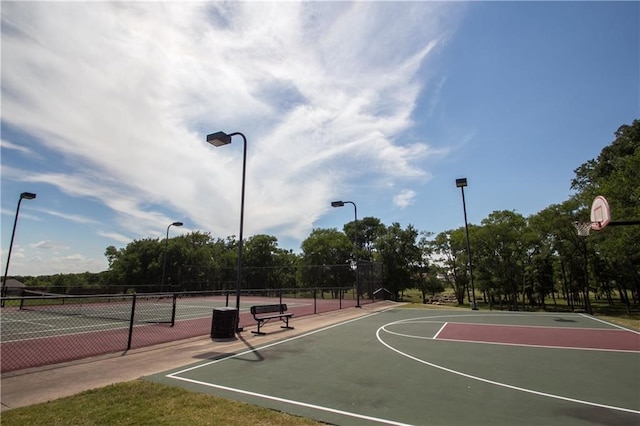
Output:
x=40 y=328
x=45 y=330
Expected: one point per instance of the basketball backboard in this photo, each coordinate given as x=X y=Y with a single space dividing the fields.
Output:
x=600 y=213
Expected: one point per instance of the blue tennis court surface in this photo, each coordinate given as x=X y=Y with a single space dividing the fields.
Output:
x=423 y=367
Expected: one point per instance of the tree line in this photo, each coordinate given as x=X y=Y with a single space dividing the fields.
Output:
x=518 y=262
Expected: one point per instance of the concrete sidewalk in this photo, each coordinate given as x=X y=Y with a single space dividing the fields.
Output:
x=33 y=386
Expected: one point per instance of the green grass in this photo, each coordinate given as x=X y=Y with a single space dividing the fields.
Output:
x=144 y=403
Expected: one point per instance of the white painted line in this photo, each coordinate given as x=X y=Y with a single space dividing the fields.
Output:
x=292 y=402
x=492 y=382
x=439 y=331
x=609 y=323
x=526 y=345
x=215 y=361
x=176 y=376
x=483 y=342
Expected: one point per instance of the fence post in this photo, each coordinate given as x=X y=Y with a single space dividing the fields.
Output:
x=173 y=309
x=133 y=310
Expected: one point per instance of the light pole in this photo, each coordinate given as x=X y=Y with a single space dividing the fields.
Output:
x=355 y=243
x=220 y=139
x=27 y=196
x=461 y=183
x=166 y=245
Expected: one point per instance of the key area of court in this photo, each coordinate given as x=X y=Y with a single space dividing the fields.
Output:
x=427 y=367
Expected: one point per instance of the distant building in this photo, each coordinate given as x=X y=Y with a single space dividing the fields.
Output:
x=14 y=287
x=382 y=294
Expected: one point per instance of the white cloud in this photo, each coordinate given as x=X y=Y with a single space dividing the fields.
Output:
x=116 y=237
x=5 y=144
x=16 y=253
x=74 y=263
x=75 y=258
x=12 y=213
x=405 y=198
x=48 y=245
x=125 y=92
x=70 y=217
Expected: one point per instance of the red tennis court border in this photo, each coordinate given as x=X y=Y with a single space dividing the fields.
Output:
x=560 y=337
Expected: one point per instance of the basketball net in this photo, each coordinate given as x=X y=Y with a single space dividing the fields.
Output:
x=583 y=228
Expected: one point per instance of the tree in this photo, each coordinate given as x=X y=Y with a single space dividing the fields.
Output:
x=501 y=250
x=615 y=174
x=449 y=251
x=369 y=230
x=398 y=250
x=326 y=257
x=261 y=256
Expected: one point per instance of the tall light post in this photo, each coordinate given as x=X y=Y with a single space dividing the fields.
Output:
x=461 y=183
x=26 y=196
x=166 y=246
x=220 y=139
x=355 y=243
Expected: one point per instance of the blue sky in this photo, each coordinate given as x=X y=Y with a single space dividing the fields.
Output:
x=106 y=107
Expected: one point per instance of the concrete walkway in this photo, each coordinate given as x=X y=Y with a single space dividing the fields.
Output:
x=33 y=386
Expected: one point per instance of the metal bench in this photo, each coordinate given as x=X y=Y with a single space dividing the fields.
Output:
x=265 y=313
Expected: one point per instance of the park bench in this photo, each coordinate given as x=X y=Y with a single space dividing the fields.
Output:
x=265 y=313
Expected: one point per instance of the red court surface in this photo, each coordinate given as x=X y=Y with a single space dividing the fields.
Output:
x=560 y=337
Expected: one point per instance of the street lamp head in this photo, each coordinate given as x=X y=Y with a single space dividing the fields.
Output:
x=337 y=203
x=28 y=195
x=462 y=182
x=177 y=224
x=219 y=139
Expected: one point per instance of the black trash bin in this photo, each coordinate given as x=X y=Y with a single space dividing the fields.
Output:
x=224 y=322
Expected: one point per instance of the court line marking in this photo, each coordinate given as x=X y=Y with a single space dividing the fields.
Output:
x=617 y=330
x=176 y=377
x=440 y=331
x=53 y=331
x=293 y=402
x=493 y=382
x=483 y=342
x=113 y=326
x=275 y=398
x=609 y=323
x=279 y=342
x=6 y=322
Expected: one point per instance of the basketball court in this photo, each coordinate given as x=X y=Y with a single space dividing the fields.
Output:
x=422 y=367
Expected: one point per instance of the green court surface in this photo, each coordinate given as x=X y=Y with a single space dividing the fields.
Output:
x=418 y=367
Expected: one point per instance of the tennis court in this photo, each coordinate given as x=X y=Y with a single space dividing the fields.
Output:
x=419 y=367
x=39 y=333
x=39 y=321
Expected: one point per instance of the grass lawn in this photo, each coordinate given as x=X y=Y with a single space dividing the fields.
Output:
x=144 y=403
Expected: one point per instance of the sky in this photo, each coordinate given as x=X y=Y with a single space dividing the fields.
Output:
x=105 y=108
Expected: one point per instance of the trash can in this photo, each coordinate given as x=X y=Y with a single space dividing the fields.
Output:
x=223 y=322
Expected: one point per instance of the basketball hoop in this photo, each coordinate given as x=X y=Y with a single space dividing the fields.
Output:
x=583 y=228
x=600 y=217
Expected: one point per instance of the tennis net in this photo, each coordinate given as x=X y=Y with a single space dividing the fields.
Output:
x=133 y=308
